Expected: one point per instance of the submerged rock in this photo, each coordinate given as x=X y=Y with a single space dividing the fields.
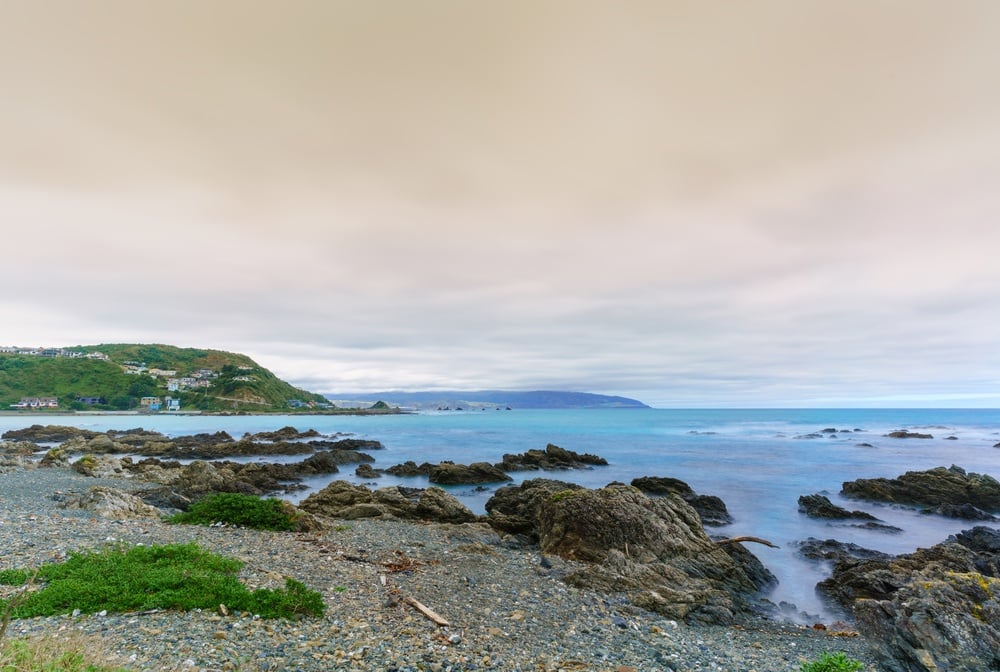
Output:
x=837 y=551
x=904 y=434
x=930 y=488
x=961 y=511
x=820 y=506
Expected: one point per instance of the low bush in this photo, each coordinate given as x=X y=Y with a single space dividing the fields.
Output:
x=174 y=577
x=233 y=508
x=833 y=662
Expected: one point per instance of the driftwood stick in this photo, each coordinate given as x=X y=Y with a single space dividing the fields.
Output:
x=426 y=611
x=757 y=540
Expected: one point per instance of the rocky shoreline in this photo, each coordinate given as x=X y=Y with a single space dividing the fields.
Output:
x=507 y=604
x=621 y=577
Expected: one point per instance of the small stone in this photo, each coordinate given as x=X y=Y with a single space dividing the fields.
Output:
x=219 y=634
x=223 y=610
x=455 y=639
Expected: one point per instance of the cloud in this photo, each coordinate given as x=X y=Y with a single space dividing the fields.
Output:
x=776 y=204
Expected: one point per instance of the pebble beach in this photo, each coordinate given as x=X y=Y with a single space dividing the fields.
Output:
x=504 y=604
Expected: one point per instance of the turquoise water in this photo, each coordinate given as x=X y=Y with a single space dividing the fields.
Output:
x=755 y=460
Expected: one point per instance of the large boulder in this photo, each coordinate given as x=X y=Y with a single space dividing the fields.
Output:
x=945 y=612
x=111 y=503
x=711 y=509
x=930 y=488
x=449 y=473
x=341 y=499
x=653 y=549
x=514 y=509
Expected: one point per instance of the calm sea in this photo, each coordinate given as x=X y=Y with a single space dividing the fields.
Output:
x=758 y=461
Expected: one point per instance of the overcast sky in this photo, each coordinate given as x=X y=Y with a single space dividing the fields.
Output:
x=767 y=203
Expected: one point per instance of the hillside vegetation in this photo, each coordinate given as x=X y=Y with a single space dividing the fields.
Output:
x=227 y=381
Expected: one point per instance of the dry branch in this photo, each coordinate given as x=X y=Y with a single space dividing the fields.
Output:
x=426 y=611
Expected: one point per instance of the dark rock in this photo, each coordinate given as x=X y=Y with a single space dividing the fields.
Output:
x=943 y=611
x=347 y=444
x=366 y=471
x=711 y=509
x=202 y=439
x=878 y=527
x=837 y=551
x=951 y=438
x=663 y=485
x=410 y=468
x=283 y=434
x=961 y=511
x=976 y=550
x=552 y=458
x=653 y=549
x=47 y=434
x=820 y=506
x=829 y=430
x=341 y=499
x=865 y=445
x=904 y=434
x=449 y=473
x=514 y=509
x=930 y=488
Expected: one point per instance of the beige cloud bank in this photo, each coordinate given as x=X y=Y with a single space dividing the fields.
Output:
x=672 y=176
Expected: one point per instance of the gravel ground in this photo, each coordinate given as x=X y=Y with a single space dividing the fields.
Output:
x=507 y=608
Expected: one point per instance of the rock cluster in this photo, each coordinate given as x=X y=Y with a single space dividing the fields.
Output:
x=553 y=458
x=930 y=488
x=934 y=609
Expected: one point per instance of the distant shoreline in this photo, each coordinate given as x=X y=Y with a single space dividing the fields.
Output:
x=142 y=414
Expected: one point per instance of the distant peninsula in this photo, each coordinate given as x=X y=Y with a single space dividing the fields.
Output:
x=464 y=399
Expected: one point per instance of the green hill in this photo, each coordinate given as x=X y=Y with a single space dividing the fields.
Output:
x=206 y=380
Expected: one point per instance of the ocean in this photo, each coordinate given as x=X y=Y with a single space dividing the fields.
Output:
x=758 y=461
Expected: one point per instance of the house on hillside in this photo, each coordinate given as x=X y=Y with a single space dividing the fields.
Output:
x=91 y=401
x=36 y=402
x=152 y=403
x=96 y=355
x=171 y=404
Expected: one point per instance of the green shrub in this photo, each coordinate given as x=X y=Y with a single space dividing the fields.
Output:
x=235 y=509
x=174 y=577
x=833 y=662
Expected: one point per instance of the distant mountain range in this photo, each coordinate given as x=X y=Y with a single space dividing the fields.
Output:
x=464 y=399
